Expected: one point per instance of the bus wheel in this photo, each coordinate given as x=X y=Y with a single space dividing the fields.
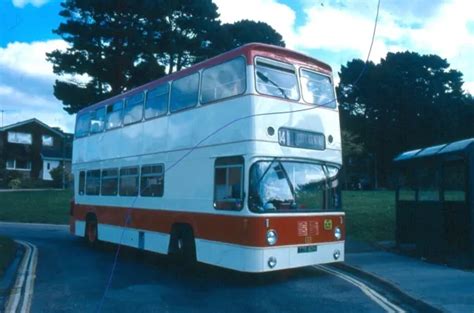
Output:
x=182 y=246
x=91 y=232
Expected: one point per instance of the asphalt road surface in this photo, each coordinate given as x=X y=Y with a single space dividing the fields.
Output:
x=71 y=277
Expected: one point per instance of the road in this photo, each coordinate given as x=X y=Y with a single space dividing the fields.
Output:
x=71 y=277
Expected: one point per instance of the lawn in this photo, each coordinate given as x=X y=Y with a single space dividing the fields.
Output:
x=50 y=206
x=370 y=215
x=7 y=252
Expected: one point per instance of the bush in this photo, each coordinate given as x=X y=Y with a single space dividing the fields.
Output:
x=14 y=183
x=57 y=176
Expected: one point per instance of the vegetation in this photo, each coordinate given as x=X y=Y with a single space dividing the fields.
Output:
x=7 y=252
x=405 y=102
x=370 y=214
x=119 y=45
x=50 y=206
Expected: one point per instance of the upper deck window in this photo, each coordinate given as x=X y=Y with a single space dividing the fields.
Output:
x=156 y=103
x=97 y=120
x=82 y=125
x=184 y=92
x=317 y=89
x=223 y=81
x=133 y=109
x=114 y=115
x=276 y=79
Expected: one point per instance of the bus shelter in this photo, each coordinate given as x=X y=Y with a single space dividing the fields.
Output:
x=435 y=202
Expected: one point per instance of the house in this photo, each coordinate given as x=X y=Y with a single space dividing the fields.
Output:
x=32 y=148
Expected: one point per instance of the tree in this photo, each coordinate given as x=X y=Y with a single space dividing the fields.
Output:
x=120 y=44
x=108 y=43
x=407 y=101
x=239 y=33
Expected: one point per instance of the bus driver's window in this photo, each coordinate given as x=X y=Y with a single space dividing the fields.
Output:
x=228 y=183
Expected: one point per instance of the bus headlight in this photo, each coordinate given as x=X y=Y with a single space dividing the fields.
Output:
x=336 y=254
x=337 y=233
x=272 y=237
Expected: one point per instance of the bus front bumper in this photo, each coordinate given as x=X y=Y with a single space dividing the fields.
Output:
x=256 y=259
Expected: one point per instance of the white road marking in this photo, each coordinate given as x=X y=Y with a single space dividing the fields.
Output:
x=24 y=283
x=382 y=301
x=30 y=281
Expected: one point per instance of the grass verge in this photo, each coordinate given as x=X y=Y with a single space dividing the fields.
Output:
x=7 y=253
x=50 y=206
x=370 y=215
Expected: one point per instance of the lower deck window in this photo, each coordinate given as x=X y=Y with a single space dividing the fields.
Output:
x=93 y=182
x=128 y=181
x=109 y=182
x=152 y=181
x=82 y=182
x=228 y=183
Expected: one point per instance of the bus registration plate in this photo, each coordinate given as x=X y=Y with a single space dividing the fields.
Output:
x=307 y=249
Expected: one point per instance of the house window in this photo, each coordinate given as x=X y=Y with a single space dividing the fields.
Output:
x=22 y=138
x=20 y=165
x=10 y=164
x=228 y=183
x=47 y=140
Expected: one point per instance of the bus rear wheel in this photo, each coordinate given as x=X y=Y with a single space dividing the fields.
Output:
x=91 y=232
x=183 y=246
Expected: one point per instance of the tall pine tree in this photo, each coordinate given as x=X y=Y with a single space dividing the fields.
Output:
x=117 y=45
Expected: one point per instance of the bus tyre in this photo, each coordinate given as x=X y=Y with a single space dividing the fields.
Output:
x=91 y=232
x=183 y=246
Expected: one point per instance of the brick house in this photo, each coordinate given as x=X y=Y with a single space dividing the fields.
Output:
x=33 y=148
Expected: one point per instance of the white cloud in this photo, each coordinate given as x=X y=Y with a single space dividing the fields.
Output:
x=26 y=84
x=280 y=16
x=20 y=105
x=30 y=58
x=469 y=87
x=23 y=3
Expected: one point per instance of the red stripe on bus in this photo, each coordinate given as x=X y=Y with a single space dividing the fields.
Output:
x=242 y=230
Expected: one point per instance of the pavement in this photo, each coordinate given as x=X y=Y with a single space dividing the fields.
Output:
x=442 y=287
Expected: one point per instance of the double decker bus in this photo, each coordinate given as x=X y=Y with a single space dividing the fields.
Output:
x=232 y=162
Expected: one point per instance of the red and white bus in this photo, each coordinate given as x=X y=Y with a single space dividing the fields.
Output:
x=232 y=162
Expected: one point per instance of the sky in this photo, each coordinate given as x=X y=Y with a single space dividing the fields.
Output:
x=334 y=31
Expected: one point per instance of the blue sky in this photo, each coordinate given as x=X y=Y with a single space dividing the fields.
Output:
x=335 y=31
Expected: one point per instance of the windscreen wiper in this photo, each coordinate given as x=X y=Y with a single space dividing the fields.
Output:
x=288 y=180
x=266 y=171
x=266 y=79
